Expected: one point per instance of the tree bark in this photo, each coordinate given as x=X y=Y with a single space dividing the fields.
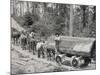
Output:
x=27 y=6
x=71 y=21
x=20 y=8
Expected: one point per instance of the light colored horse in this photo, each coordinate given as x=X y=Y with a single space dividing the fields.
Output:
x=40 y=49
x=47 y=49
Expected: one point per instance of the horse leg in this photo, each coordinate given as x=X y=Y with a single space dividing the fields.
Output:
x=33 y=47
x=30 y=46
x=18 y=41
x=39 y=53
x=43 y=56
x=27 y=44
x=14 y=40
x=33 y=50
x=23 y=44
x=47 y=54
x=53 y=55
x=48 y=57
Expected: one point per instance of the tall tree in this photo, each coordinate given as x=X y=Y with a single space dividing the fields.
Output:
x=20 y=8
x=71 y=21
x=94 y=15
x=83 y=7
x=27 y=6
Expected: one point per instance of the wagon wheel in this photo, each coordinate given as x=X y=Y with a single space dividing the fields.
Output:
x=75 y=62
x=87 y=61
x=59 y=60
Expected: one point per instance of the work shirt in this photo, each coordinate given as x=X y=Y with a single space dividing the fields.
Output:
x=31 y=35
x=39 y=45
x=57 y=40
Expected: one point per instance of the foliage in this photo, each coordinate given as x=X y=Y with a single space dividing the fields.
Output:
x=30 y=19
x=51 y=18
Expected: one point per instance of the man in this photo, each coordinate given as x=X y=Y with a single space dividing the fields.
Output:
x=31 y=34
x=57 y=41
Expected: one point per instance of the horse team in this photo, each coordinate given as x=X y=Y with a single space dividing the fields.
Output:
x=38 y=47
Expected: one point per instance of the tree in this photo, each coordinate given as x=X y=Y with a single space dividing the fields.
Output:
x=71 y=21
x=83 y=7
x=28 y=19
x=94 y=15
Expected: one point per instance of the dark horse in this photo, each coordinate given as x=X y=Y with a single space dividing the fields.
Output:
x=15 y=36
x=23 y=41
x=32 y=45
x=51 y=51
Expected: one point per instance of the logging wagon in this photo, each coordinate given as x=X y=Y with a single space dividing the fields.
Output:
x=79 y=51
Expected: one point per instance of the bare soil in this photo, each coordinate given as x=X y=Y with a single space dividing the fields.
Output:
x=23 y=62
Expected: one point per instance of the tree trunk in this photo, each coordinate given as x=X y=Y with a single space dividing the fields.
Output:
x=20 y=8
x=14 y=8
x=71 y=21
x=84 y=22
x=27 y=6
x=94 y=15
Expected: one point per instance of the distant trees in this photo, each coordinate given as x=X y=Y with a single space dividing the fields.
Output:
x=94 y=14
x=83 y=7
x=71 y=21
x=28 y=19
x=51 y=18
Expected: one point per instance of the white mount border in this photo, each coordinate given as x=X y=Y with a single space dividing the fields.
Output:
x=80 y=2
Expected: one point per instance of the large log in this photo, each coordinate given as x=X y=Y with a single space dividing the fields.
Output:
x=77 y=46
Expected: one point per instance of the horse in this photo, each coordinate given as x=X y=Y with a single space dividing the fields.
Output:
x=46 y=49
x=15 y=37
x=32 y=45
x=23 y=41
x=31 y=42
x=40 y=49
x=51 y=51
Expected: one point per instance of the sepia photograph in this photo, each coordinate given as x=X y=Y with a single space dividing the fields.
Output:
x=52 y=37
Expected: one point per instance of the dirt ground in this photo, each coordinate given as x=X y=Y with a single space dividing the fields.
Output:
x=23 y=62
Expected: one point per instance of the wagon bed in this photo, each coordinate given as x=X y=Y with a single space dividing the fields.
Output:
x=76 y=45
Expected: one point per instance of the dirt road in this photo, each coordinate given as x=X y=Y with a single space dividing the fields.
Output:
x=24 y=62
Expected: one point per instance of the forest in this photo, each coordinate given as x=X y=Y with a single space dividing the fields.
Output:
x=48 y=19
